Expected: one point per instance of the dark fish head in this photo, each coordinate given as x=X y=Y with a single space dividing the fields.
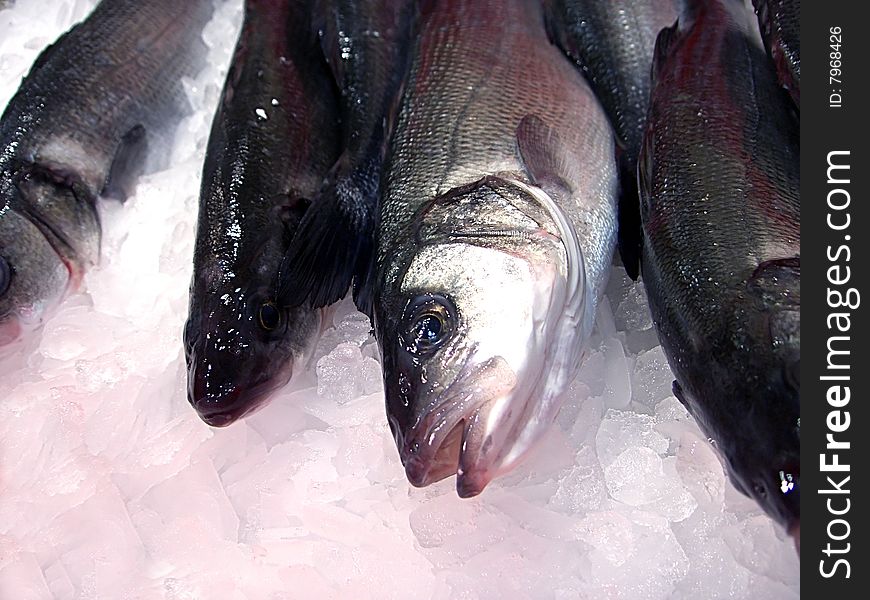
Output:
x=480 y=331
x=33 y=277
x=766 y=464
x=240 y=346
x=748 y=399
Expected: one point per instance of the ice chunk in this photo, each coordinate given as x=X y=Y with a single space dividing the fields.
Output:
x=345 y=374
x=582 y=487
x=617 y=390
x=632 y=314
x=701 y=471
x=22 y=574
x=652 y=378
x=618 y=575
x=621 y=430
x=634 y=476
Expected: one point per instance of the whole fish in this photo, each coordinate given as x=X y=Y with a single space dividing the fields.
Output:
x=612 y=43
x=273 y=139
x=367 y=44
x=495 y=236
x=780 y=22
x=719 y=178
x=79 y=127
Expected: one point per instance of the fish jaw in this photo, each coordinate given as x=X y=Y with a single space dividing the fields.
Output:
x=479 y=403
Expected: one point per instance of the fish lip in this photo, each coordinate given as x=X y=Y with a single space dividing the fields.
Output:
x=440 y=460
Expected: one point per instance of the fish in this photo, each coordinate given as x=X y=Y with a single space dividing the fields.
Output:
x=612 y=43
x=494 y=239
x=780 y=22
x=80 y=127
x=274 y=137
x=367 y=44
x=720 y=206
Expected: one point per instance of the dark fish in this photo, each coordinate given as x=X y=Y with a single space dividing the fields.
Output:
x=274 y=137
x=612 y=42
x=78 y=128
x=719 y=178
x=367 y=44
x=780 y=22
x=495 y=236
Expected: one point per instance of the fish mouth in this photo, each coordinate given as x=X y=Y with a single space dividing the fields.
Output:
x=455 y=437
x=466 y=446
x=443 y=462
x=231 y=402
x=445 y=453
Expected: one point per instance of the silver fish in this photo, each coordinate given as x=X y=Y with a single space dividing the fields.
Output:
x=78 y=128
x=495 y=237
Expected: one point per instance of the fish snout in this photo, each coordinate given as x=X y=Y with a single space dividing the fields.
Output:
x=224 y=391
x=436 y=457
x=217 y=405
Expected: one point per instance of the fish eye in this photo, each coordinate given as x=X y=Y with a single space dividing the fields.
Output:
x=269 y=316
x=427 y=324
x=5 y=275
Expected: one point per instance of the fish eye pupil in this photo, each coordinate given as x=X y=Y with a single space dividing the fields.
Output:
x=270 y=318
x=429 y=328
x=5 y=275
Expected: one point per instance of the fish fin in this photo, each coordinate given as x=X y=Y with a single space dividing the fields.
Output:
x=127 y=164
x=542 y=153
x=363 y=287
x=664 y=41
x=333 y=241
x=777 y=282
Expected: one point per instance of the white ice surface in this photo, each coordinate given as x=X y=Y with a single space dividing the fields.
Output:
x=111 y=487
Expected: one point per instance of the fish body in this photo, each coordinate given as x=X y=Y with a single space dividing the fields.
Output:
x=367 y=44
x=612 y=42
x=274 y=137
x=78 y=128
x=719 y=178
x=780 y=22
x=495 y=236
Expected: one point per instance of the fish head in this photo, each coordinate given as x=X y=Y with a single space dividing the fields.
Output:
x=748 y=399
x=481 y=331
x=765 y=465
x=240 y=345
x=33 y=277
